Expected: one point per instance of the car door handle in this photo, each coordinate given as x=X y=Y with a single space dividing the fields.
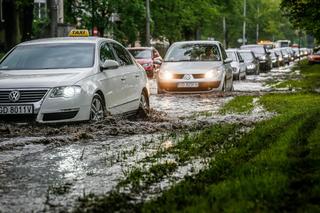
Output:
x=123 y=79
x=137 y=76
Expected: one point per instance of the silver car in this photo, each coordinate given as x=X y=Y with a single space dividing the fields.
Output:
x=195 y=66
x=238 y=65
x=251 y=61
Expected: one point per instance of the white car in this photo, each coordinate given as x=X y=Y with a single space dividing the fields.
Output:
x=195 y=66
x=238 y=65
x=71 y=79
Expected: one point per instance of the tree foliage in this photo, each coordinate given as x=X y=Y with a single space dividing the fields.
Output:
x=304 y=14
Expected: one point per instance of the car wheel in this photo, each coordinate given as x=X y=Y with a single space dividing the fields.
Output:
x=144 y=106
x=97 y=109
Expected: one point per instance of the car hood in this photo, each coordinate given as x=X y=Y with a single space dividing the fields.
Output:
x=41 y=78
x=189 y=67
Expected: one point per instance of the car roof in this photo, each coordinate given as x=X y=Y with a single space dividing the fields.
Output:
x=197 y=42
x=253 y=45
x=140 y=48
x=66 y=40
x=245 y=51
x=232 y=50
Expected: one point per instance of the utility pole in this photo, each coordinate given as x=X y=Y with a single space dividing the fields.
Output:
x=257 y=33
x=53 y=18
x=224 y=32
x=148 y=36
x=244 y=21
x=92 y=17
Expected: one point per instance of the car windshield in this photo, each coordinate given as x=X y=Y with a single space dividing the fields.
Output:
x=259 y=50
x=232 y=55
x=247 y=57
x=141 y=53
x=50 y=56
x=193 y=52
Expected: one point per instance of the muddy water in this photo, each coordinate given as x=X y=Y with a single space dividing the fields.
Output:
x=47 y=168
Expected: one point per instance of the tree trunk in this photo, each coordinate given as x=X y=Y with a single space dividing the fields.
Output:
x=26 y=20
x=11 y=24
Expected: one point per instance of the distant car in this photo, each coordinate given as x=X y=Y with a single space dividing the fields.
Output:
x=280 y=57
x=71 y=79
x=195 y=66
x=274 y=58
x=251 y=61
x=238 y=65
x=285 y=54
x=148 y=57
x=262 y=54
x=314 y=58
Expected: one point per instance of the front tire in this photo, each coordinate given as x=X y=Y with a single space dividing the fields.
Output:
x=97 y=109
x=144 y=106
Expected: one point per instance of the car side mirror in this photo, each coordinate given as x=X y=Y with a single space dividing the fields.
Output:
x=157 y=61
x=268 y=53
x=110 y=64
x=241 y=61
x=227 y=61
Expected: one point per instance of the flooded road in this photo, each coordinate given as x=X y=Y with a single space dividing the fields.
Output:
x=47 y=168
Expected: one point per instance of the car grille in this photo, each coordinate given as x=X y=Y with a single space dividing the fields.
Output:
x=195 y=76
x=26 y=96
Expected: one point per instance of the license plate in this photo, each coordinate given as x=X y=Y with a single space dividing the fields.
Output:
x=187 y=85
x=16 y=110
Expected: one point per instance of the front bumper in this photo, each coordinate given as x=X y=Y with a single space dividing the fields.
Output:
x=203 y=86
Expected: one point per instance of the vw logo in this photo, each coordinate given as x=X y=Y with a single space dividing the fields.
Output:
x=14 y=96
x=187 y=77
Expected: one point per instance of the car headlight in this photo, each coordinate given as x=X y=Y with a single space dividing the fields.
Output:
x=263 y=58
x=166 y=75
x=251 y=66
x=66 y=92
x=146 y=65
x=213 y=73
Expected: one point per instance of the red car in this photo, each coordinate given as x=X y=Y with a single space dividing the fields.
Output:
x=314 y=58
x=148 y=57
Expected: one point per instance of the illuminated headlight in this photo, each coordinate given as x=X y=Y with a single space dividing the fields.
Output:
x=263 y=58
x=166 y=75
x=213 y=73
x=146 y=65
x=66 y=92
x=281 y=59
x=251 y=66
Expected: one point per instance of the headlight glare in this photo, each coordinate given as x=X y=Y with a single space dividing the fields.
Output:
x=166 y=75
x=66 y=92
x=209 y=74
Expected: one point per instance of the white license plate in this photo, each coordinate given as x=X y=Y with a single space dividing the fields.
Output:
x=187 y=85
x=16 y=110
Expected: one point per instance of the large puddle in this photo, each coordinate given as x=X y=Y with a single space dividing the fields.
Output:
x=47 y=168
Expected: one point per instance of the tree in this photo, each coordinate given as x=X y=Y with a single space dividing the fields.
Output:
x=304 y=14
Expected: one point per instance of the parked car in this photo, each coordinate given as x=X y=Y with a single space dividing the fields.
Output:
x=251 y=62
x=238 y=65
x=260 y=51
x=314 y=58
x=195 y=66
x=285 y=54
x=71 y=79
x=274 y=58
x=148 y=57
x=280 y=57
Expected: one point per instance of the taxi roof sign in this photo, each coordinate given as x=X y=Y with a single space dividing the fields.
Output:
x=79 y=33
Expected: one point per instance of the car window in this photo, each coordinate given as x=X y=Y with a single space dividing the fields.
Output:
x=232 y=55
x=223 y=53
x=123 y=56
x=193 y=52
x=50 y=56
x=239 y=56
x=106 y=53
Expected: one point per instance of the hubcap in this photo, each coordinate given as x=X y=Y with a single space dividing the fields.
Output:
x=96 y=111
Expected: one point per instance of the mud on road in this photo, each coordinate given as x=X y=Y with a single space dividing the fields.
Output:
x=48 y=167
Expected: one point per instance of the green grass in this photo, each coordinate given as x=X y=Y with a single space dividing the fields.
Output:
x=239 y=105
x=310 y=78
x=273 y=168
x=256 y=174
